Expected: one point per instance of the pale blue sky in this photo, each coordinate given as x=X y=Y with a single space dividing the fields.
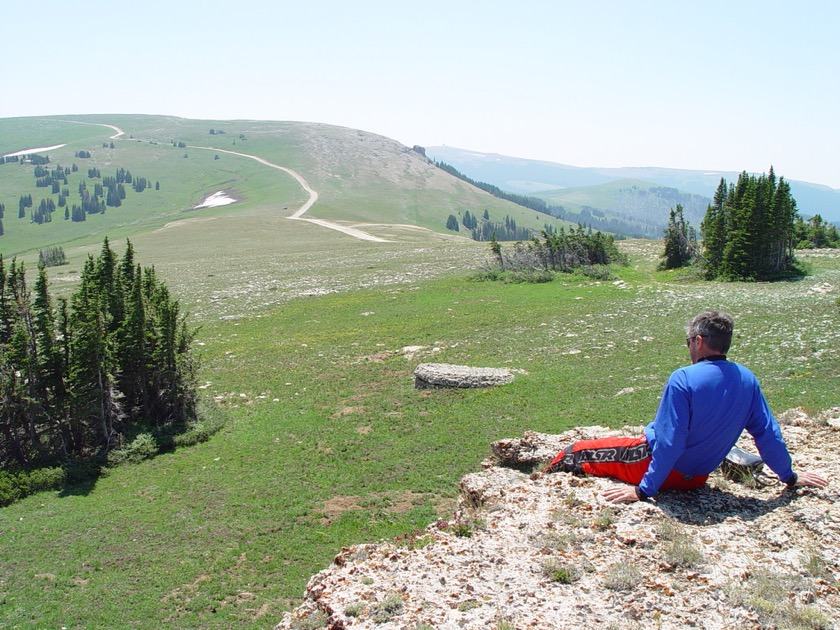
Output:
x=717 y=85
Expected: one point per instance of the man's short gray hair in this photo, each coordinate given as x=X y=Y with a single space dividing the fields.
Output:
x=715 y=327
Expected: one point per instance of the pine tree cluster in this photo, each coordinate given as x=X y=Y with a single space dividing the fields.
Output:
x=112 y=361
x=110 y=192
x=748 y=230
x=816 y=233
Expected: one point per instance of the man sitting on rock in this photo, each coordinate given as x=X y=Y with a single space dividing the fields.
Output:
x=704 y=409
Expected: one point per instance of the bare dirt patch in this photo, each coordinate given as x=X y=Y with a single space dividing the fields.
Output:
x=389 y=502
x=349 y=411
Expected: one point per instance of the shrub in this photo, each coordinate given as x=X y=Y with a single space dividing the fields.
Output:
x=605 y=519
x=461 y=526
x=680 y=550
x=622 y=577
x=561 y=573
x=313 y=621
x=15 y=486
x=385 y=610
x=682 y=553
x=597 y=272
x=354 y=610
x=42 y=479
x=768 y=595
x=9 y=489
x=144 y=446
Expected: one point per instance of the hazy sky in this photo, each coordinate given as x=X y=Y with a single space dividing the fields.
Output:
x=718 y=85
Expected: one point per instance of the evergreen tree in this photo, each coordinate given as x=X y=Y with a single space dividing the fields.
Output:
x=51 y=367
x=73 y=378
x=452 y=223
x=91 y=371
x=680 y=241
x=468 y=220
x=748 y=233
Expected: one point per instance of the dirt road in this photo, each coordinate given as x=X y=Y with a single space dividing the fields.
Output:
x=313 y=197
x=298 y=216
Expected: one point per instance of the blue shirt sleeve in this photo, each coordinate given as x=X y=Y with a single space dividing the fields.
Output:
x=765 y=431
x=668 y=432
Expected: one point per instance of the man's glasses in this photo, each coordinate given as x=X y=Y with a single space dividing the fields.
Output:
x=688 y=340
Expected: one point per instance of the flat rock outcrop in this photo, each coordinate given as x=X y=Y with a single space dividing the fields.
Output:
x=530 y=550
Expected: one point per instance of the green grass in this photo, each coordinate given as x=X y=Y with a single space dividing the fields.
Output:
x=300 y=333
x=227 y=532
x=183 y=183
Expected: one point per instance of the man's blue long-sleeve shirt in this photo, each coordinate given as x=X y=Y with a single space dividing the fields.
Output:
x=704 y=409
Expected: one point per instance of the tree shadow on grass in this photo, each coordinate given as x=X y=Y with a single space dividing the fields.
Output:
x=81 y=479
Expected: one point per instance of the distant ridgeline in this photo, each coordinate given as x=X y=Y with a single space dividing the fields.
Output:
x=639 y=213
x=107 y=191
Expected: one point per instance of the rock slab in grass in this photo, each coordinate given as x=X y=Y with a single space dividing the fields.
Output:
x=440 y=375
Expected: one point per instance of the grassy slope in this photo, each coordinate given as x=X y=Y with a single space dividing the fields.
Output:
x=601 y=196
x=227 y=533
x=360 y=177
x=321 y=414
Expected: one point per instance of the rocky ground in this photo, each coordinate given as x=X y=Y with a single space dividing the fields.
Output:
x=528 y=550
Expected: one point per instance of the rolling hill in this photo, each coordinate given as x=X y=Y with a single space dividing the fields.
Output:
x=359 y=177
x=308 y=340
x=226 y=261
x=630 y=206
x=535 y=177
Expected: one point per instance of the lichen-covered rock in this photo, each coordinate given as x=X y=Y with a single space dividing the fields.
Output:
x=434 y=375
x=548 y=551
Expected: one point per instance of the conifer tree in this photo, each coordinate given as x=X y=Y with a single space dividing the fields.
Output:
x=680 y=241
x=91 y=369
x=51 y=366
x=748 y=233
x=73 y=378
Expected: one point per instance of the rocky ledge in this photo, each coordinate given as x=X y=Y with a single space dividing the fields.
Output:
x=530 y=550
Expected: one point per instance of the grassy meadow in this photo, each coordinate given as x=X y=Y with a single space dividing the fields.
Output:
x=327 y=443
x=308 y=340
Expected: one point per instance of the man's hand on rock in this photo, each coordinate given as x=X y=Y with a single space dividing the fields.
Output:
x=621 y=494
x=811 y=479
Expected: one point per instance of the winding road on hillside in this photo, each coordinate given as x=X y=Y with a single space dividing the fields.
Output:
x=298 y=216
x=313 y=197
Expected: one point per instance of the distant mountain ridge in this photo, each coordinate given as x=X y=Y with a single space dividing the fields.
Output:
x=534 y=177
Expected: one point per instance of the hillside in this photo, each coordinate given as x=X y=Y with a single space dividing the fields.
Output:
x=308 y=337
x=548 y=551
x=360 y=178
x=534 y=176
x=635 y=207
